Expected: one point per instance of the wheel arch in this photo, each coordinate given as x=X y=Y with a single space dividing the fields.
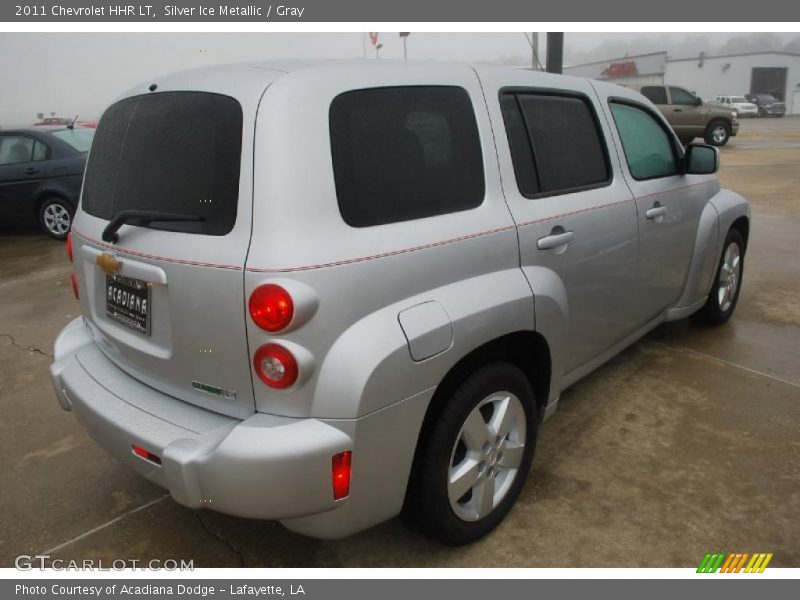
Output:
x=742 y=225
x=528 y=350
x=46 y=194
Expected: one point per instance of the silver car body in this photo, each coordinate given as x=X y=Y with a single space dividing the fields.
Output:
x=391 y=309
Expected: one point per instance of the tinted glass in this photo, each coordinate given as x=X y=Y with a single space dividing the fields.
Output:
x=655 y=93
x=648 y=148
x=15 y=149
x=566 y=145
x=682 y=97
x=520 y=146
x=175 y=152
x=405 y=153
x=79 y=138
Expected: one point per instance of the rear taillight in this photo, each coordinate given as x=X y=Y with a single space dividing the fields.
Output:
x=146 y=454
x=271 y=307
x=74 y=281
x=69 y=246
x=340 y=472
x=275 y=366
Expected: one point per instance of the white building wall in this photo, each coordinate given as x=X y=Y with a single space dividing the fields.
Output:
x=731 y=75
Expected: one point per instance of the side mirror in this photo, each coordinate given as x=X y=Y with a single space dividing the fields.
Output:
x=701 y=159
x=698 y=101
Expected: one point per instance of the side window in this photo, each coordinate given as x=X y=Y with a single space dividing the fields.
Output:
x=403 y=153
x=657 y=94
x=648 y=147
x=15 y=149
x=556 y=144
x=40 y=151
x=682 y=97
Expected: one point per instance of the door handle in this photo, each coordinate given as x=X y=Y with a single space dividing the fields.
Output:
x=554 y=240
x=655 y=212
x=678 y=110
x=31 y=171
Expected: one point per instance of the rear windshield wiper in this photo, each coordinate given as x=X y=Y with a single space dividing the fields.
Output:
x=142 y=218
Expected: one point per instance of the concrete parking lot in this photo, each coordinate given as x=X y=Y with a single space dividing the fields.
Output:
x=686 y=443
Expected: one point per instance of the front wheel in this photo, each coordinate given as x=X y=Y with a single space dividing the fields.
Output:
x=471 y=467
x=55 y=217
x=718 y=133
x=727 y=283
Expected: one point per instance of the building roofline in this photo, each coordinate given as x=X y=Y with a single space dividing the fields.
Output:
x=708 y=56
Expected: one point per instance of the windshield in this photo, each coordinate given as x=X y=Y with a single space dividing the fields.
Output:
x=80 y=139
x=766 y=98
x=738 y=99
x=171 y=152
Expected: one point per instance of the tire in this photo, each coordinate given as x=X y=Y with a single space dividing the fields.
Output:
x=761 y=112
x=717 y=133
x=55 y=217
x=465 y=437
x=724 y=295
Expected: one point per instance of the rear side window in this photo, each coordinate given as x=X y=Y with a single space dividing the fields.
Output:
x=555 y=141
x=404 y=153
x=15 y=149
x=175 y=152
x=657 y=94
x=648 y=147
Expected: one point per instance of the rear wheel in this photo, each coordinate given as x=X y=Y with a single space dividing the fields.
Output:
x=727 y=283
x=471 y=467
x=55 y=216
x=718 y=133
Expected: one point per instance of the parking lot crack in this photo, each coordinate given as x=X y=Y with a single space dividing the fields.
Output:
x=26 y=348
x=235 y=549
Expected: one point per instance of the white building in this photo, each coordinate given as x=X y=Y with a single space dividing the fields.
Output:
x=776 y=73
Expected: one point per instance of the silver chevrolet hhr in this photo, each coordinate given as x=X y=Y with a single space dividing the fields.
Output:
x=332 y=293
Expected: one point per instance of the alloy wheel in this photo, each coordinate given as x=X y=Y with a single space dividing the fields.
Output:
x=730 y=273
x=486 y=456
x=56 y=219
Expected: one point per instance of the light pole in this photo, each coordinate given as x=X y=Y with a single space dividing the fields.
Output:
x=404 y=35
x=378 y=51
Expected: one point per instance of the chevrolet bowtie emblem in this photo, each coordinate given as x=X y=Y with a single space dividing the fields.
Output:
x=108 y=263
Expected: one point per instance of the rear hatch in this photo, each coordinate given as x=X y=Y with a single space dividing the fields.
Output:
x=165 y=301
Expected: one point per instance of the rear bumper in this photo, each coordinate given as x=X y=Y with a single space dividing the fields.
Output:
x=264 y=467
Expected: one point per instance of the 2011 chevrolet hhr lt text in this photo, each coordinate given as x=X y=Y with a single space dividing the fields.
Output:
x=332 y=293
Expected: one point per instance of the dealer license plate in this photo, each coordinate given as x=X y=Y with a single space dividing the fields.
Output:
x=128 y=302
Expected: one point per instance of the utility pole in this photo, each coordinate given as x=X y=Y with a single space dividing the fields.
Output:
x=404 y=35
x=555 y=52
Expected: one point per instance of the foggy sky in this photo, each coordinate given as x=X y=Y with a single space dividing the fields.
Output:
x=81 y=73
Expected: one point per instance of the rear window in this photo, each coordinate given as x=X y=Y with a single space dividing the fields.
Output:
x=404 y=153
x=79 y=138
x=175 y=152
